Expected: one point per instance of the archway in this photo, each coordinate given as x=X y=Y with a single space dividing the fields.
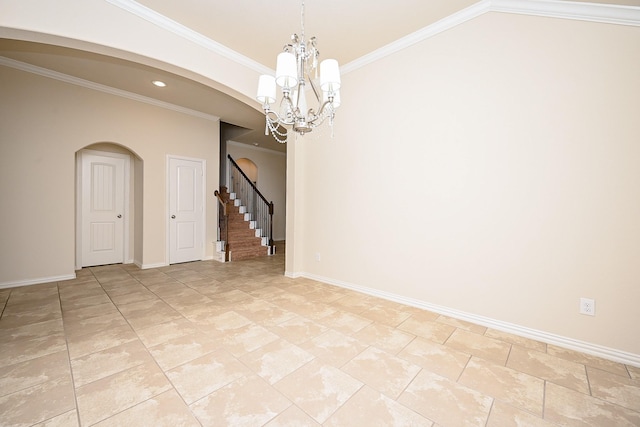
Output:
x=119 y=238
x=249 y=168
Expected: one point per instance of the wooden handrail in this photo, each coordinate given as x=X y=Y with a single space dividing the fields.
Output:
x=222 y=202
x=264 y=199
x=225 y=214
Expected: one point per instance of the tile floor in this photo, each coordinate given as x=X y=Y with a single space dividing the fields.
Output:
x=209 y=344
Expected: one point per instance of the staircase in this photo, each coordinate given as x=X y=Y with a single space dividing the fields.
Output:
x=244 y=239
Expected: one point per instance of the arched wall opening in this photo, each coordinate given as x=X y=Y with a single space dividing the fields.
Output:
x=132 y=212
x=249 y=168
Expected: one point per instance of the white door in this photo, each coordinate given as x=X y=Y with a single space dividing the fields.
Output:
x=103 y=198
x=186 y=210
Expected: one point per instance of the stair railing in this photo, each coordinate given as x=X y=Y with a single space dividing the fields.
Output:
x=257 y=205
x=223 y=222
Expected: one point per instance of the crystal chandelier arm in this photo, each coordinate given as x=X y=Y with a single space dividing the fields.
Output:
x=273 y=123
x=315 y=89
x=290 y=109
x=274 y=117
x=326 y=105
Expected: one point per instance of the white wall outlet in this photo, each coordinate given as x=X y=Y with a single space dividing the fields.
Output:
x=318 y=256
x=587 y=306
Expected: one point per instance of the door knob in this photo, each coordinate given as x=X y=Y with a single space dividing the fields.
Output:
x=173 y=217
x=119 y=216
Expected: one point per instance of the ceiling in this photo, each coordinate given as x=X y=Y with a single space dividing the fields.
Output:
x=346 y=30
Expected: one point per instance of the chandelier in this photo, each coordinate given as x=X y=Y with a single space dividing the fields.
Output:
x=296 y=66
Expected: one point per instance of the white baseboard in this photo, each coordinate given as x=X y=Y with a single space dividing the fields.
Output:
x=148 y=266
x=296 y=275
x=37 y=281
x=560 y=341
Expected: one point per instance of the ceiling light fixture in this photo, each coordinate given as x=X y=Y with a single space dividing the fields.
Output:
x=297 y=65
x=159 y=83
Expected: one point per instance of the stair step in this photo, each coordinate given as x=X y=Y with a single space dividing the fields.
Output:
x=245 y=244
x=241 y=254
x=244 y=239
x=245 y=234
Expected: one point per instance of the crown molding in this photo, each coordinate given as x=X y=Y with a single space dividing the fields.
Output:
x=592 y=12
x=187 y=33
x=434 y=29
x=22 y=66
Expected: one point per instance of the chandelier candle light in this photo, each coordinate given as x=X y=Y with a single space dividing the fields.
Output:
x=297 y=65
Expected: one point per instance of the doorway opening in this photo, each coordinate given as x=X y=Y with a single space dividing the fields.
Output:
x=186 y=200
x=108 y=205
x=249 y=168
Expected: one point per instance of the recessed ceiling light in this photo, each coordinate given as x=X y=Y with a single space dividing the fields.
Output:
x=159 y=83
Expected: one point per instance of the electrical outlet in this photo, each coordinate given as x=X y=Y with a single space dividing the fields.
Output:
x=318 y=256
x=587 y=306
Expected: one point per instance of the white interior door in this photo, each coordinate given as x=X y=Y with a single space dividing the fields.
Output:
x=186 y=210
x=103 y=200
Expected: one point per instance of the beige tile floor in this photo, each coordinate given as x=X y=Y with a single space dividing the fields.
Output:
x=209 y=344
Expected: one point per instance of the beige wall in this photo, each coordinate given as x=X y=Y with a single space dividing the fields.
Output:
x=43 y=123
x=491 y=171
x=487 y=171
x=272 y=171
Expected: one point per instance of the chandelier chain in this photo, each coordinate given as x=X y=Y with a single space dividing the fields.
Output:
x=302 y=19
x=281 y=137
